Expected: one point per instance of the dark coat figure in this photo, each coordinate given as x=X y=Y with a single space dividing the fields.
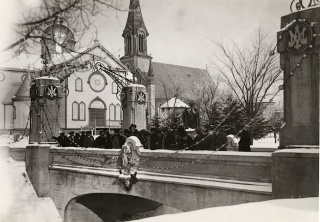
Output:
x=184 y=140
x=77 y=139
x=144 y=136
x=108 y=144
x=153 y=139
x=82 y=136
x=100 y=141
x=71 y=139
x=122 y=137
x=63 y=140
x=88 y=140
x=168 y=141
x=198 y=140
x=245 y=141
x=133 y=131
x=115 y=138
x=219 y=139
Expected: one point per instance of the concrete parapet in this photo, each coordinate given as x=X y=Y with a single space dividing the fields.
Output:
x=295 y=173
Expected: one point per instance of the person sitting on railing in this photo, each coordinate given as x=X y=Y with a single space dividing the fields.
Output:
x=184 y=140
x=100 y=141
x=168 y=140
x=88 y=140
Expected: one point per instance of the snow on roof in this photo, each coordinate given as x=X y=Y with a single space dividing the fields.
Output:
x=174 y=103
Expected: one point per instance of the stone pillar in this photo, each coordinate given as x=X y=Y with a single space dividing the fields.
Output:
x=298 y=45
x=45 y=93
x=134 y=101
x=37 y=167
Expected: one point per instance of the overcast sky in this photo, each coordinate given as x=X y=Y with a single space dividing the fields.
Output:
x=181 y=31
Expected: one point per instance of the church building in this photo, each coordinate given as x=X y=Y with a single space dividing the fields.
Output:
x=91 y=95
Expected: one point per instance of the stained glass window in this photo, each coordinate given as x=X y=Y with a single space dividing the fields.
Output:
x=118 y=112
x=111 y=112
x=82 y=108
x=114 y=88
x=78 y=85
x=75 y=111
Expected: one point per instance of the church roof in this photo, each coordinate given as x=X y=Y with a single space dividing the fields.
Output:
x=174 y=80
x=23 y=91
x=174 y=103
x=12 y=92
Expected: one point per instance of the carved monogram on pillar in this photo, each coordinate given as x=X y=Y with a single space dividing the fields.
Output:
x=51 y=92
x=298 y=37
x=303 y=4
x=141 y=97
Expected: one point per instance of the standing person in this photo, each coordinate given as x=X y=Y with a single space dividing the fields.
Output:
x=82 y=136
x=108 y=144
x=199 y=137
x=153 y=139
x=245 y=141
x=184 y=140
x=168 y=140
x=122 y=137
x=221 y=141
x=159 y=139
x=100 y=141
x=71 y=139
x=144 y=135
x=62 y=140
x=115 y=139
x=88 y=140
x=133 y=130
x=77 y=139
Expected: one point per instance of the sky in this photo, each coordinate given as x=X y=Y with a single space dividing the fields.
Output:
x=182 y=32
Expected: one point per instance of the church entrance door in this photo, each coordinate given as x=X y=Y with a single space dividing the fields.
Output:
x=97 y=113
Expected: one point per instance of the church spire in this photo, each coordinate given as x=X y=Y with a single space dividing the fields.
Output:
x=135 y=32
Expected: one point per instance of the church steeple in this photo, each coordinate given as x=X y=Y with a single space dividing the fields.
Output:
x=135 y=32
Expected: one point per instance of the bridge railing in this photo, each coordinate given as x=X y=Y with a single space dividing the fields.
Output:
x=207 y=164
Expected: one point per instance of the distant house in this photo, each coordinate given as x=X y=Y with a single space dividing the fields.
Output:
x=175 y=105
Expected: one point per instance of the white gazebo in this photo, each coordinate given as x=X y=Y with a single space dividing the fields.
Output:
x=173 y=104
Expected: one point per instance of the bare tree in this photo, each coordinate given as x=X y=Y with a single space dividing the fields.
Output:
x=77 y=14
x=208 y=97
x=250 y=69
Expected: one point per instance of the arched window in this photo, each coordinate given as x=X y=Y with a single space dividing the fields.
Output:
x=97 y=104
x=141 y=42
x=112 y=112
x=78 y=85
x=114 y=88
x=75 y=111
x=118 y=112
x=82 y=111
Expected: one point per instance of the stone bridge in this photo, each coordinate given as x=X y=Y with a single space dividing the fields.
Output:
x=84 y=184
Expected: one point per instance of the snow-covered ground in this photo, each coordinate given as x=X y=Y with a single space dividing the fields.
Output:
x=19 y=201
x=285 y=210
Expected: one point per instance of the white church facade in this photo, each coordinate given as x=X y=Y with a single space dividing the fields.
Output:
x=91 y=96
